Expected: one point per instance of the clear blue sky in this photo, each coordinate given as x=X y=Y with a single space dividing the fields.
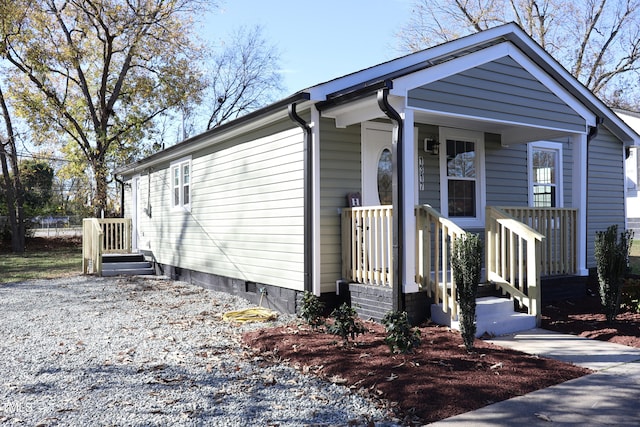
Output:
x=318 y=40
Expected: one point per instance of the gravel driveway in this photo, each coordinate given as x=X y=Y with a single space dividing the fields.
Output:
x=143 y=352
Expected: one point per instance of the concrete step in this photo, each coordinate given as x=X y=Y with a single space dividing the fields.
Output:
x=494 y=316
x=115 y=258
x=128 y=272
x=490 y=306
x=495 y=326
x=126 y=265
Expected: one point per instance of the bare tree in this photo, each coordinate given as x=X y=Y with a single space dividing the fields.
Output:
x=245 y=76
x=598 y=41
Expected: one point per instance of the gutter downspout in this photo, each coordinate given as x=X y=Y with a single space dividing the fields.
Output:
x=308 y=195
x=397 y=153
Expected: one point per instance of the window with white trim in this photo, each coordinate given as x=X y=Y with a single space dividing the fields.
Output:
x=545 y=174
x=462 y=187
x=181 y=184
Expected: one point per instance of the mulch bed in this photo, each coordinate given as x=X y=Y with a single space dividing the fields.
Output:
x=585 y=317
x=440 y=379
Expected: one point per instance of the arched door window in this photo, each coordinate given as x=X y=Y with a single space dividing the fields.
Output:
x=385 y=189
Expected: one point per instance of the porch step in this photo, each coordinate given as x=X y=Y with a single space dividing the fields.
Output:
x=494 y=316
x=116 y=258
x=126 y=265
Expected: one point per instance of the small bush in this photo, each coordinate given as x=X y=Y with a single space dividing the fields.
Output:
x=467 y=264
x=345 y=323
x=611 y=255
x=630 y=300
x=312 y=310
x=401 y=338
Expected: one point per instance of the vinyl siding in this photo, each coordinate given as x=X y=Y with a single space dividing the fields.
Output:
x=431 y=193
x=567 y=173
x=605 y=188
x=340 y=173
x=506 y=173
x=500 y=90
x=247 y=217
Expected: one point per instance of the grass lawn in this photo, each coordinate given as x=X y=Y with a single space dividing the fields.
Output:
x=44 y=259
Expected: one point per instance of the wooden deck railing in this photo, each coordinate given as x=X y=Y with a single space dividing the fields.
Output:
x=101 y=236
x=367 y=237
x=435 y=236
x=513 y=258
x=558 y=252
x=521 y=245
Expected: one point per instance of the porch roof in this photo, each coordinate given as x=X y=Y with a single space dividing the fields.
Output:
x=359 y=86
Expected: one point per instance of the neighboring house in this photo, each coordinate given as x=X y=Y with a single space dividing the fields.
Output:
x=358 y=185
x=632 y=173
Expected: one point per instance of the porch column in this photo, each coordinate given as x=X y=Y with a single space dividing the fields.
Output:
x=410 y=200
x=579 y=199
x=316 y=266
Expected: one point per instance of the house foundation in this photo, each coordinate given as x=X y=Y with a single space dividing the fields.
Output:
x=374 y=302
x=276 y=298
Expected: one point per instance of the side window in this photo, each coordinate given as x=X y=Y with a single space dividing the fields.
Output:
x=181 y=183
x=462 y=176
x=545 y=174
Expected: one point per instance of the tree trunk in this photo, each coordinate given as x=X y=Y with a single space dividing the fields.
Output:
x=100 y=197
x=14 y=192
x=11 y=203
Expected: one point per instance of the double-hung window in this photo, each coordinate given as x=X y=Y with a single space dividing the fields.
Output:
x=545 y=174
x=181 y=184
x=462 y=176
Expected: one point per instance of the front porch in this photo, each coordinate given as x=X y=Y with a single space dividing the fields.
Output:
x=522 y=245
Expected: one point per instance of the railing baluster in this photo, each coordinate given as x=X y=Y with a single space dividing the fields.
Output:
x=558 y=225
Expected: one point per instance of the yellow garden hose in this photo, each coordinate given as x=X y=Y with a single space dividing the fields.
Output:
x=254 y=314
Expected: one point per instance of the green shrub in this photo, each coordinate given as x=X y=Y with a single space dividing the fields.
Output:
x=630 y=300
x=400 y=338
x=466 y=261
x=312 y=310
x=612 y=255
x=345 y=323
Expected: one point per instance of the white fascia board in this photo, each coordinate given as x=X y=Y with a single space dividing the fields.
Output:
x=320 y=91
x=362 y=110
x=633 y=121
x=401 y=86
x=513 y=132
x=354 y=112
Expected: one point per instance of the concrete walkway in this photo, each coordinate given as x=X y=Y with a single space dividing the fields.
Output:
x=609 y=397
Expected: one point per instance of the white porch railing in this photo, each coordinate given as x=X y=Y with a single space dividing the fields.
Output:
x=513 y=258
x=435 y=237
x=558 y=252
x=516 y=254
x=101 y=236
x=367 y=237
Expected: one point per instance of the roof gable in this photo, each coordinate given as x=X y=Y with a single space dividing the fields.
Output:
x=481 y=47
x=501 y=90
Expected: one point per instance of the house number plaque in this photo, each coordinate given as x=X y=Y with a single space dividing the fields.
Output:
x=421 y=173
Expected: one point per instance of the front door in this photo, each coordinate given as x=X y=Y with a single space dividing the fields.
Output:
x=376 y=164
